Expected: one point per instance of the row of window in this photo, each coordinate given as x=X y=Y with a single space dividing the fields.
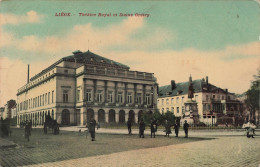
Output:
x=111 y=98
x=177 y=100
x=217 y=97
x=172 y=110
x=38 y=101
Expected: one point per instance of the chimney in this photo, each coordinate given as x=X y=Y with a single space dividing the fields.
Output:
x=207 y=80
x=226 y=90
x=28 y=75
x=173 y=84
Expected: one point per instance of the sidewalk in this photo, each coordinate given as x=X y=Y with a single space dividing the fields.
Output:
x=192 y=133
x=6 y=144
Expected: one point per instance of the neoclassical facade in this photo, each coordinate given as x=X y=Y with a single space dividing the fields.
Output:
x=83 y=86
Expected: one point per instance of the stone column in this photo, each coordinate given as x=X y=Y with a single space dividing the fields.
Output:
x=135 y=93
x=95 y=90
x=144 y=92
x=116 y=100
x=83 y=90
x=83 y=111
x=125 y=102
x=136 y=117
x=117 y=116
x=106 y=116
x=96 y=115
x=126 y=116
x=105 y=93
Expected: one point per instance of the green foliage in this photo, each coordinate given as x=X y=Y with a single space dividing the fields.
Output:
x=252 y=96
x=4 y=127
x=160 y=118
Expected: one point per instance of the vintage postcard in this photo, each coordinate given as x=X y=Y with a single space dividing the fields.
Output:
x=129 y=83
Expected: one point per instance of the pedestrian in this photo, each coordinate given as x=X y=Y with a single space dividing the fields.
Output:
x=250 y=132
x=27 y=131
x=153 y=128
x=141 y=128
x=91 y=128
x=45 y=128
x=167 y=128
x=176 y=127
x=186 y=127
x=129 y=126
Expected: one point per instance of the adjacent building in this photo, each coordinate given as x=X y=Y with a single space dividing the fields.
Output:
x=83 y=86
x=214 y=105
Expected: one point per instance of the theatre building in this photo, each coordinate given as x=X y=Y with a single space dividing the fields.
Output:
x=83 y=86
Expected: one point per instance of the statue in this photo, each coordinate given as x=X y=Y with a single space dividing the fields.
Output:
x=191 y=90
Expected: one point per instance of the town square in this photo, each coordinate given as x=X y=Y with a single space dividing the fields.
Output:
x=150 y=83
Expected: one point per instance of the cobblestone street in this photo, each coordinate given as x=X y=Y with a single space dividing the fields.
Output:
x=225 y=150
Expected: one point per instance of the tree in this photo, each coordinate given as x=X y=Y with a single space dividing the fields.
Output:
x=160 y=118
x=252 y=97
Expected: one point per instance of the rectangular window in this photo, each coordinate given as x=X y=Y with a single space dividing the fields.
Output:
x=147 y=99
x=222 y=97
x=43 y=99
x=173 y=109
x=52 y=96
x=110 y=96
x=213 y=96
x=162 y=110
x=29 y=103
x=162 y=101
x=167 y=101
x=182 y=99
x=139 y=98
x=78 y=95
x=178 y=110
x=207 y=97
x=204 y=107
x=49 y=98
x=65 y=96
x=196 y=98
x=172 y=100
x=40 y=100
x=167 y=109
x=129 y=98
x=120 y=97
x=182 y=109
x=99 y=96
x=177 y=100
x=88 y=95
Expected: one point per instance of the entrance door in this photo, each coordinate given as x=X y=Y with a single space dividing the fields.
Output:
x=65 y=117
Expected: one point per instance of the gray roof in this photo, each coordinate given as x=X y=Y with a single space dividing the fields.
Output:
x=82 y=57
x=183 y=87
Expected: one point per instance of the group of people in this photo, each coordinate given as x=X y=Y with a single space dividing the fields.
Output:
x=153 y=127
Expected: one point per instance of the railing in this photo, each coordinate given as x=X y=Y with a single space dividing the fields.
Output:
x=119 y=73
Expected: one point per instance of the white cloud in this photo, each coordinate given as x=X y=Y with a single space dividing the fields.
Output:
x=178 y=65
x=84 y=37
x=13 y=75
x=30 y=17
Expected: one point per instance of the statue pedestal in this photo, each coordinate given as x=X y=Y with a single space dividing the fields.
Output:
x=191 y=113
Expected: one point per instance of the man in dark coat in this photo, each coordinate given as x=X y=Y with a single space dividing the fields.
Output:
x=153 y=128
x=27 y=131
x=91 y=128
x=186 y=127
x=141 y=129
x=129 y=126
x=176 y=127
x=167 y=128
